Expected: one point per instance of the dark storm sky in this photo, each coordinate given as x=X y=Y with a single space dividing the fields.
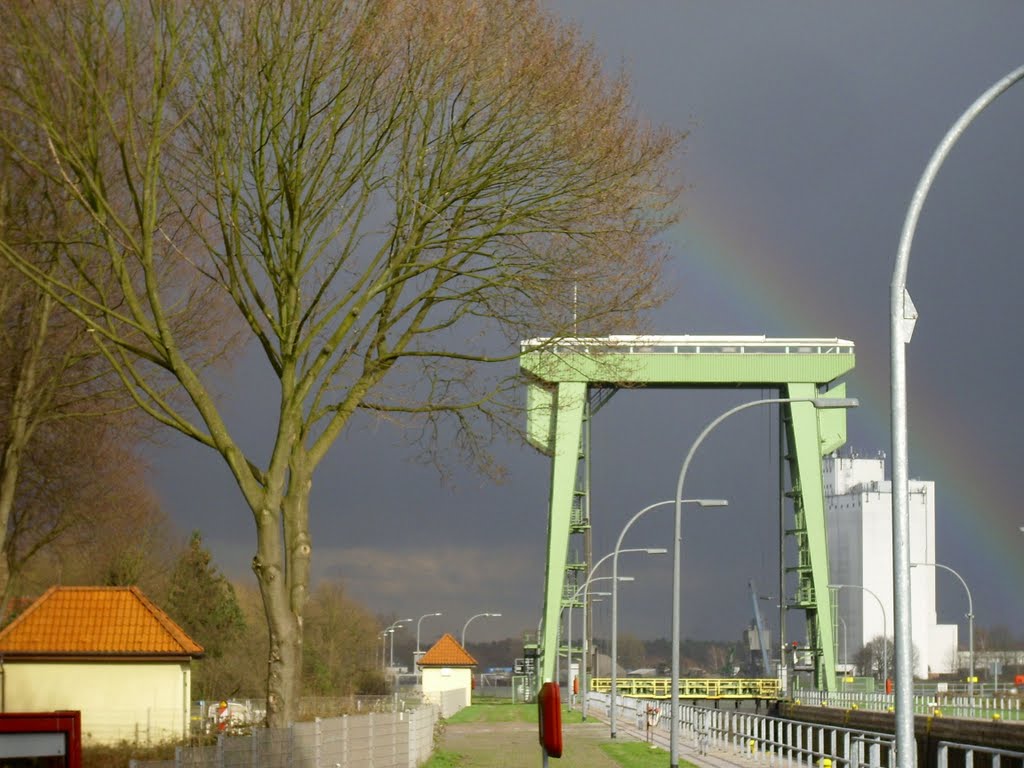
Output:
x=809 y=126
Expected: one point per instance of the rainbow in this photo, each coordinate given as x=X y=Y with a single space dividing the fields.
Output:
x=974 y=501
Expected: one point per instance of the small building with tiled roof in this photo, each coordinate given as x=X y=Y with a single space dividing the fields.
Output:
x=106 y=651
x=448 y=675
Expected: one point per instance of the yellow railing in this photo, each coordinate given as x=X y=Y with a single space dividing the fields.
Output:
x=692 y=688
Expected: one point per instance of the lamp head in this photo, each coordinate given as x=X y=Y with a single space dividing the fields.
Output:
x=712 y=502
x=835 y=402
x=656 y=551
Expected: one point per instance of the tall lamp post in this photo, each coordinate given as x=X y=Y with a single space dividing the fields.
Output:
x=418 y=652
x=585 y=589
x=615 y=582
x=384 y=649
x=392 y=629
x=885 y=626
x=970 y=621
x=842 y=621
x=420 y=619
x=902 y=317
x=817 y=402
x=477 y=616
x=615 y=598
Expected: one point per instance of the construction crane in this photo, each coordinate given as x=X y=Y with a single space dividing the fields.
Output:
x=765 y=663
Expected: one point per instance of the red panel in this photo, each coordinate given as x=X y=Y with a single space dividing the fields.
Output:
x=68 y=723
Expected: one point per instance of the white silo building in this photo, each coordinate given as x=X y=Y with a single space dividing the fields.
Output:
x=858 y=513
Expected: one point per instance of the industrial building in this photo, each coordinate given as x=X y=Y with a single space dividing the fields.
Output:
x=858 y=514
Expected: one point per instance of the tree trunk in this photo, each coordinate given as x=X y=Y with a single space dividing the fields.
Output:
x=282 y=567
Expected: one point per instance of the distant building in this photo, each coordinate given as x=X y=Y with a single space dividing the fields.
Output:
x=448 y=675
x=106 y=651
x=858 y=513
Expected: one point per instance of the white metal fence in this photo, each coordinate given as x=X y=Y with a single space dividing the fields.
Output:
x=949 y=705
x=382 y=740
x=777 y=741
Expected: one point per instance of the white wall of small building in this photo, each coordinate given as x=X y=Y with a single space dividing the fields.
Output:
x=858 y=503
x=147 y=702
x=438 y=680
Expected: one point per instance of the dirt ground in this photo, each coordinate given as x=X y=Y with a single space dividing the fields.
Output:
x=514 y=745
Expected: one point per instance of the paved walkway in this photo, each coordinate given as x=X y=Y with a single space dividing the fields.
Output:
x=514 y=745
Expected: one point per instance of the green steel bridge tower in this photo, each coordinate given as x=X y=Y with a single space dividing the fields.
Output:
x=569 y=379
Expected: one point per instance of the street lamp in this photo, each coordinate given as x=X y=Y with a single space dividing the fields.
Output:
x=584 y=588
x=970 y=620
x=615 y=597
x=817 y=402
x=384 y=649
x=902 y=317
x=845 y=667
x=885 y=626
x=392 y=629
x=421 y=618
x=418 y=653
x=477 y=616
x=615 y=583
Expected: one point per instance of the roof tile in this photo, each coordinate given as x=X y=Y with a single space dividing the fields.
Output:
x=447 y=652
x=89 y=620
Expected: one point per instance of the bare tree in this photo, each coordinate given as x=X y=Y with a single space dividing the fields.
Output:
x=390 y=193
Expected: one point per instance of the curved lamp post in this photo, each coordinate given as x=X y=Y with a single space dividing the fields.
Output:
x=421 y=618
x=392 y=629
x=384 y=649
x=902 y=317
x=585 y=589
x=615 y=599
x=970 y=621
x=417 y=654
x=615 y=583
x=885 y=626
x=817 y=402
x=477 y=616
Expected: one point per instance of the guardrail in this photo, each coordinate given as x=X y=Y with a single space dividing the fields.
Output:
x=691 y=688
x=941 y=704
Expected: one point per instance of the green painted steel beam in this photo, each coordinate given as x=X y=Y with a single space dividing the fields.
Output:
x=568 y=426
x=561 y=373
x=697 y=370
x=805 y=450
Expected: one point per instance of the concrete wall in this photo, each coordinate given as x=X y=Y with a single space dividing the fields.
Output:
x=145 y=702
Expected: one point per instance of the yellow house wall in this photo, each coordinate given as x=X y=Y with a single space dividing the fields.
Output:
x=439 y=679
x=145 y=702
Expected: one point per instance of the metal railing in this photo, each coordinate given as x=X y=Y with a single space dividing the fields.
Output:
x=965 y=754
x=760 y=738
x=687 y=344
x=693 y=688
x=942 y=704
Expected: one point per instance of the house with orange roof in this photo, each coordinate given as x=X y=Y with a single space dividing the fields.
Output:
x=108 y=652
x=447 y=675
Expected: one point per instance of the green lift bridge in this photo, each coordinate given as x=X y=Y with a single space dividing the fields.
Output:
x=569 y=379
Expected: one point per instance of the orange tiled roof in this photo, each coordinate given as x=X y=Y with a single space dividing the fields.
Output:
x=109 y=621
x=447 y=652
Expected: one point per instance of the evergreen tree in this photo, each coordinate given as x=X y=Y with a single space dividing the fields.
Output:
x=204 y=604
